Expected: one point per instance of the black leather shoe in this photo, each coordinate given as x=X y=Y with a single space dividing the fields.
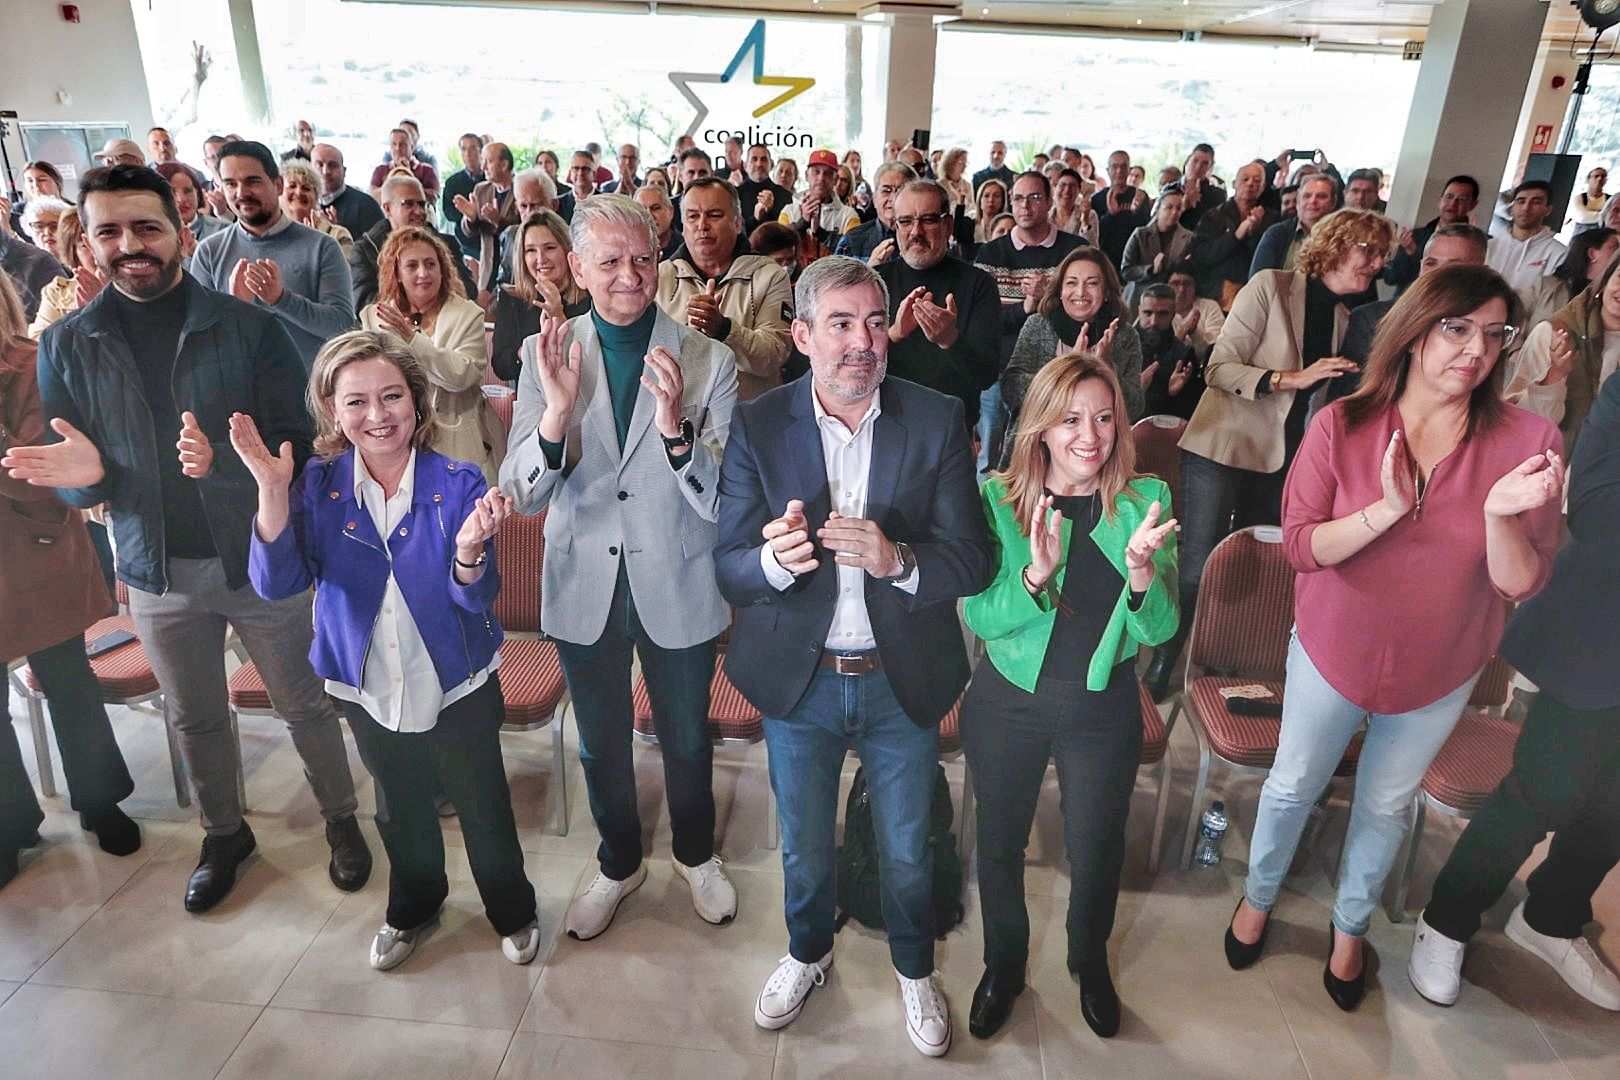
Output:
x=1160 y=669
x=1099 y=1002
x=211 y=882
x=8 y=864
x=1240 y=955
x=993 y=1002
x=1346 y=993
x=115 y=831
x=351 y=858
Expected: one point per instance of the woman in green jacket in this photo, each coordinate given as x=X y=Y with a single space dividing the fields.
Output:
x=1086 y=574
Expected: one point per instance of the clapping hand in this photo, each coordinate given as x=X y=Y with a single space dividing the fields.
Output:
x=1148 y=373
x=1104 y=343
x=1034 y=285
x=905 y=313
x=666 y=390
x=883 y=252
x=1184 y=325
x=483 y=522
x=859 y=542
x=939 y=324
x=557 y=366
x=88 y=282
x=196 y=452
x=1148 y=538
x=548 y=298
x=789 y=537
x=1396 y=478
x=703 y=311
x=466 y=207
x=394 y=320
x=1560 y=356
x=764 y=204
x=72 y=463
x=270 y=472
x=1045 y=544
x=1538 y=481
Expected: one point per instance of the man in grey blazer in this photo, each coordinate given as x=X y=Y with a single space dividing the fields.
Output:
x=620 y=423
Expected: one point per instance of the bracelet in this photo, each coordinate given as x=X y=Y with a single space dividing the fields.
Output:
x=1365 y=521
x=1029 y=585
x=483 y=557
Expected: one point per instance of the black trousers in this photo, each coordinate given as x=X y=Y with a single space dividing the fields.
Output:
x=1096 y=740
x=1565 y=779
x=678 y=683
x=1215 y=500
x=464 y=751
x=97 y=778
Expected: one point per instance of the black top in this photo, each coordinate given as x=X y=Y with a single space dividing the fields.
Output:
x=1320 y=304
x=152 y=331
x=1090 y=591
x=1167 y=351
x=748 y=194
x=972 y=363
x=515 y=320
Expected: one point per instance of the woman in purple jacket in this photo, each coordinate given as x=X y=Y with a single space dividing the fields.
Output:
x=396 y=539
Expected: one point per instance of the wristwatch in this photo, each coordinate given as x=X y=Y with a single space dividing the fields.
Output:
x=483 y=557
x=683 y=441
x=908 y=562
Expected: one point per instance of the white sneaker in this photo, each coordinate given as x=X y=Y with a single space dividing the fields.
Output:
x=1435 y=967
x=391 y=947
x=521 y=947
x=1576 y=962
x=785 y=991
x=591 y=913
x=928 y=1018
x=713 y=896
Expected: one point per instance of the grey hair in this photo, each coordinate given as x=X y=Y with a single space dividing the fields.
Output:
x=662 y=193
x=715 y=182
x=888 y=167
x=300 y=170
x=931 y=187
x=829 y=273
x=537 y=175
x=1318 y=178
x=42 y=204
x=1461 y=231
x=609 y=210
x=397 y=181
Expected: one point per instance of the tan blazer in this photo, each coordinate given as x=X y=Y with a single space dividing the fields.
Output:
x=1264 y=331
x=756 y=295
x=455 y=358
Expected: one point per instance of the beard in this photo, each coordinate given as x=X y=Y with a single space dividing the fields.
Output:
x=846 y=387
x=1156 y=341
x=147 y=288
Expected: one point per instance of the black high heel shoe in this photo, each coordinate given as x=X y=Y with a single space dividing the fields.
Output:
x=1346 y=993
x=1240 y=954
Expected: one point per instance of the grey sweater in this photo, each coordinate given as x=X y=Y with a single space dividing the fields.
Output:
x=317 y=302
x=1038 y=344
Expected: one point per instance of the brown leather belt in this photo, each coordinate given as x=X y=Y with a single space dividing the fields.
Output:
x=851 y=664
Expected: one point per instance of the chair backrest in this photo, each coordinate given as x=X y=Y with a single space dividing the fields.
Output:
x=503 y=404
x=1245 y=606
x=1157 y=452
x=520 y=550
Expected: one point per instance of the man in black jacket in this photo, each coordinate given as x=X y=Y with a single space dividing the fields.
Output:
x=355 y=210
x=404 y=203
x=461 y=182
x=943 y=313
x=1457 y=201
x=1224 y=244
x=861 y=488
x=875 y=240
x=762 y=198
x=156 y=357
x=996 y=170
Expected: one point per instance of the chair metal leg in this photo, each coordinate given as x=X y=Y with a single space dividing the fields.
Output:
x=559 y=778
x=1197 y=800
x=1406 y=861
x=1159 y=812
x=177 y=763
x=42 y=743
x=969 y=823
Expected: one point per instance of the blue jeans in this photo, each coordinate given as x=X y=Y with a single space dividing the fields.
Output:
x=1317 y=725
x=992 y=429
x=807 y=748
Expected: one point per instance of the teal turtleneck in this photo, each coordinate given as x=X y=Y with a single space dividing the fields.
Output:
x=624 y=357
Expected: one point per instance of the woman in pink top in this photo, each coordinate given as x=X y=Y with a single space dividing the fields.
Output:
x=1415 y=511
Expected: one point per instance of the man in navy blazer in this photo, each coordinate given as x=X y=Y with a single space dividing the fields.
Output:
x=849 y=526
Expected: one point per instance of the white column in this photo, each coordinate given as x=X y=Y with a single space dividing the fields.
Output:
x=906 y=65
x=1477 y=62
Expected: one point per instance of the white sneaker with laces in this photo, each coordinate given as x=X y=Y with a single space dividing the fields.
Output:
x=1576 y=962
x=521 y=947
x=591 y=913
x=1435 y=967
x=392 y=947
x=713 y=896
x=928 y=1018
x=785 y=991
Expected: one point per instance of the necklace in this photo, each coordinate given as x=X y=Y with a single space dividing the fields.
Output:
x=416 y=319
x=1421 y=486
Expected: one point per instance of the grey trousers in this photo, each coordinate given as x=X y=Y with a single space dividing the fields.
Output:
x=184 y=634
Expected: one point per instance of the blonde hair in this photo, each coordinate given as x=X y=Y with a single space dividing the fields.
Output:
x=389 y=286
x=953 y=157
x=351 y=348
x=1046 y=403
x=523 y=283
x=1332 y=239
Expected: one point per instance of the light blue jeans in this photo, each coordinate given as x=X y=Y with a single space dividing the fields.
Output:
x=1317 y=725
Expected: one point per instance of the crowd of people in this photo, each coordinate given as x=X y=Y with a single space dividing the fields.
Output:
x=824 y=410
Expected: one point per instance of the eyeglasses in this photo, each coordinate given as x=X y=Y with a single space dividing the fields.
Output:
x=1372 y=251
x=1496 y=335
x=926 y=220
x=1036 y=197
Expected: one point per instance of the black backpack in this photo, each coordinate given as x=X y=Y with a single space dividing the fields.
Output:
x=860 y=896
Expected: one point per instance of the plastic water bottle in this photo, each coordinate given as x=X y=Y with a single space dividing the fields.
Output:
x=1211 y=828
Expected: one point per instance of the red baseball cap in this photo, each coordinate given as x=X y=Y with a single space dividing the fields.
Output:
x=823 y=157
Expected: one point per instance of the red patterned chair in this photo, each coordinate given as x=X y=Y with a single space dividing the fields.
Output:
x=1462 y=776
x=1157 y=449
x=1239 y=635
x=531 y=674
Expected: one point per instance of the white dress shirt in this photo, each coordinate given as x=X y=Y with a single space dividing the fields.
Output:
x=849 y=467
x=399 y=686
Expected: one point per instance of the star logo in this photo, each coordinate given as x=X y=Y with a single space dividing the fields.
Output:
x=753 y=42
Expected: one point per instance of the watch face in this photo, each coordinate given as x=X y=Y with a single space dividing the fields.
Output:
x=1605 y=7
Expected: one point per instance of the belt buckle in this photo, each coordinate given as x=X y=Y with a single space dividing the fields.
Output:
x=848 y=665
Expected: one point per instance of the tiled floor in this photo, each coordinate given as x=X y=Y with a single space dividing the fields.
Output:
x=102 y=974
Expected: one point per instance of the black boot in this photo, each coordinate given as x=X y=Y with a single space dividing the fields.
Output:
x=351 y=858
x=1162 y=668
x=115 y=831
x=216 y=869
